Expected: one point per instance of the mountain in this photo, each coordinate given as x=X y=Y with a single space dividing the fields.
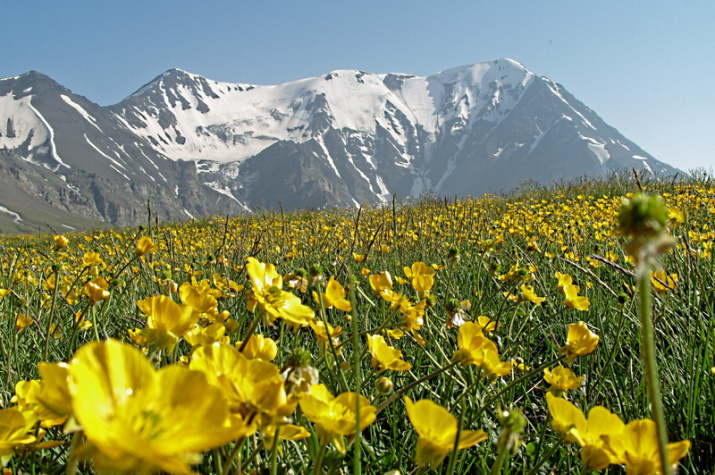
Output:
x=195 y=146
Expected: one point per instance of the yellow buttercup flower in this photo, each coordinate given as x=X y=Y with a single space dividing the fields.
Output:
x=476 y=349
x=201 y=299
x=259 y=347
x=663 y=282
x=421 y=275
x=96 y=289
x=527 y=293
x=334 y=296
x=140 y=420
x=323 y=334
x=561 y=379
x=487 y=325
x=145 y=246
x=198 y=336
x=385 y=357
x=640 y=448
x=334 y=417
x=563 y=281
x=579 y=341
x=167 y=321
x=271 y=299
x=381 y=282
x=567 y=420
x=22 y=321
x=437 y=431
x=253 y=388
x=27 y=398
x=16 y=429
x=573 y=300
x=60 y=241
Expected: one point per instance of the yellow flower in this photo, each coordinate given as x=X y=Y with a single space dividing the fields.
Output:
x=145 y=246
x=385 y=357
x=421 y=275
x=92 y=259
x=60 y=241
x=285 y=432
x=16 y=429
x=334 y=296
x=487 y=325
x=599 y=436
x=271 y=299
x=22 y=321
x=167 y=321
x=323 y=333
x=527 y=293
x=658 y=278
x=54 y=394
x=475 y=349
x=579 y=341
x=359 y=257
x=259 y=347
x=561 y=379
x=640 y=448
x=573 y=300
x=334 y=417
x=96 y=289
x=437 y=431
x=201 y=299
x=381 y=282
x=567 y=420
x=138 y=419
x=27 y=398
x=563 y=281
x=253 y=388
x=215 y=332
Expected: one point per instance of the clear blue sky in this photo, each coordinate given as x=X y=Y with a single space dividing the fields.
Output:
x=646 y=67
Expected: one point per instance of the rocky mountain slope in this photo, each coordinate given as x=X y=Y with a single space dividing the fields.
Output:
x=196 y=146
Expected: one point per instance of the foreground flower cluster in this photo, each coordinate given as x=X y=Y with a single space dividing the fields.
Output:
x=442 y=336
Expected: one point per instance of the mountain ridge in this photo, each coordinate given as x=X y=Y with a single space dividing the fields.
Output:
x=196 y=146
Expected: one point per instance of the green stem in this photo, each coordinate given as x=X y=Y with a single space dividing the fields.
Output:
x=412 y=385
x=651 y=364
x=274 y=452
x=355 y=327
x=319 y=460
x=501 y=458
x=534 y=470
x=250 y=331
x=52 y=315
x=232 y=455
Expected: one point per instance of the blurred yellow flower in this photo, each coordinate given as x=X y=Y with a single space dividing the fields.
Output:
x=663 y=282
x=60 y=241
x=16 y=429
x=437 y=431
x=640 y=448
x=96 y=289
x=145 y=246
x=527 y=293
x=22 y=321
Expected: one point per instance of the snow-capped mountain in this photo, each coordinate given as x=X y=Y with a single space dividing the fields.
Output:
x=344 y=138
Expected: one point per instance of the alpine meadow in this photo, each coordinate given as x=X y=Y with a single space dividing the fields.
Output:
x=564 y=328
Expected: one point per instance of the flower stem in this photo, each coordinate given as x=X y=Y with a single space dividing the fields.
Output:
x=651 y=364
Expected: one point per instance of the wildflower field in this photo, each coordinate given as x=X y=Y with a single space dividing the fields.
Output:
x=505 y=334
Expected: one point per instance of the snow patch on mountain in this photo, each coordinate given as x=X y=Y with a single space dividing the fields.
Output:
x=81 y=111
